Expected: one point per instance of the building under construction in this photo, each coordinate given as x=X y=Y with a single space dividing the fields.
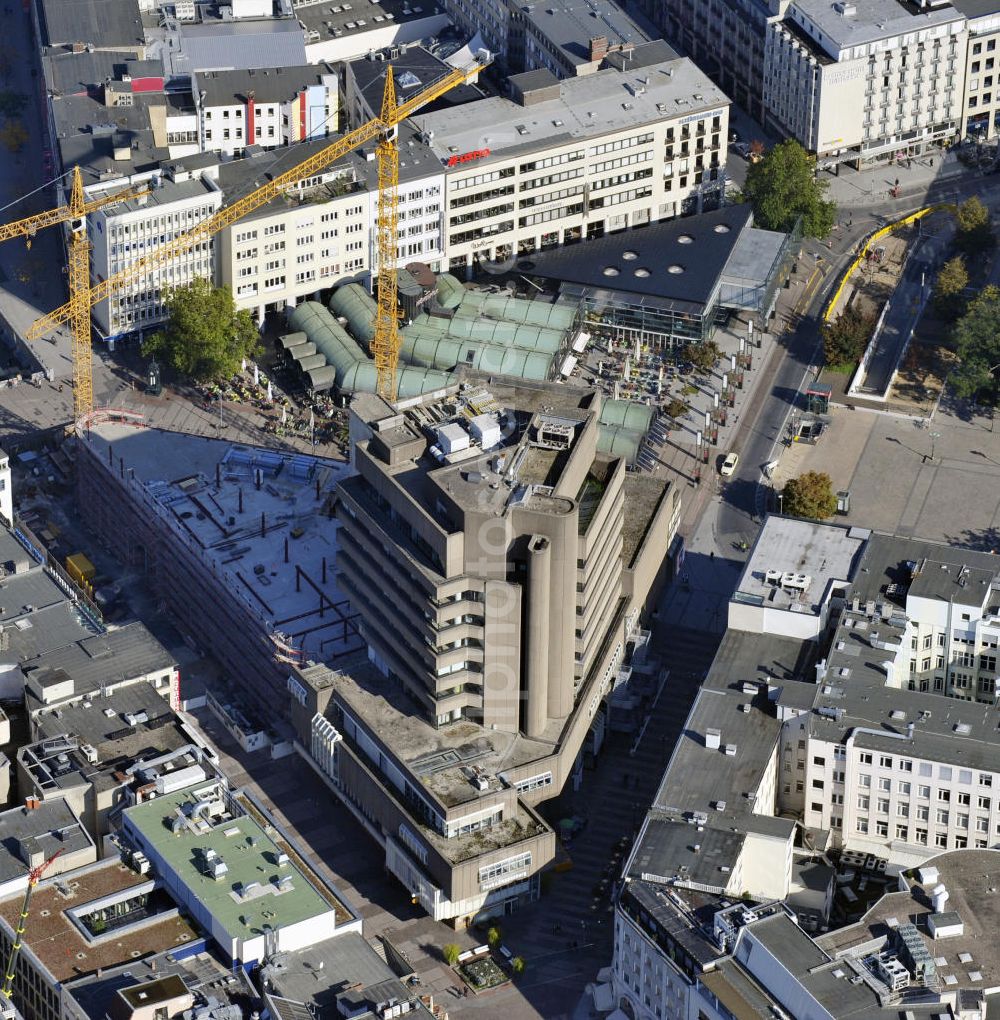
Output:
x=238 y=542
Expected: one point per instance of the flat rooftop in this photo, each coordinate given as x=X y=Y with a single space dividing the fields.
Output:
x=268 y=84
x=872 y=20
x=249 y=895
x=961 y=734
x=166 y=193
x=818 y=554
x=441 y=755
x=975 y=9
x=896 y=567
x=699 y=778
x=355 y=19
x=588 y=107
x=242 y=44
x=203 y=975
x=259 y=520
x=86 y=130
x=352 y=971
x=679 y=263
x=468 y=479
x=643 y=495
x=37 y=618
x=61 y=946
x=46 y=829
x=971 y=878
x=570 y=26
x=100 y=22
x=96 y=661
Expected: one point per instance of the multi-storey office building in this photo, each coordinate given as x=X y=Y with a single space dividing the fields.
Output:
x=497 y=515
x=981 y=103
x=123 y=232
x=864 y=80
x=578 y=158
x=470 y=518
x=321 y=233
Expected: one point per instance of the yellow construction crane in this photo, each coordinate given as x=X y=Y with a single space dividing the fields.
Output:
x=385 y=341
x=78 y=270
x=385 y=344
x=34 y=876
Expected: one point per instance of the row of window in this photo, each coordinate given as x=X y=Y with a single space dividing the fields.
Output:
x=920 y=835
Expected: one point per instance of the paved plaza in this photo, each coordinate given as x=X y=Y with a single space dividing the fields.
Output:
x=936 y=479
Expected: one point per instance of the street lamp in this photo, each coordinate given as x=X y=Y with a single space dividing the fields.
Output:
x=781 y=503
x=935 y=436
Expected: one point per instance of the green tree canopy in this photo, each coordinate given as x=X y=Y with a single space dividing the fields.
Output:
x=206 y=336
x=783 y=186
x=977 y=344
x=451 y=953
x=702 y=355
x=949 y=288
x=810 y=495
x=974 y=230
x=845 y=337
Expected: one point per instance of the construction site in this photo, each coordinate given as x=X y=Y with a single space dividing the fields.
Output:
x=239 y=542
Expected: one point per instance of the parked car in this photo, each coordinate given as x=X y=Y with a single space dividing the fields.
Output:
x=729 y=464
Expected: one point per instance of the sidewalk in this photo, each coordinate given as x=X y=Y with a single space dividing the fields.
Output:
x=853 y=188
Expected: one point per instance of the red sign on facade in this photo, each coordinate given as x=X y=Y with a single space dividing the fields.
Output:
x=468 y=157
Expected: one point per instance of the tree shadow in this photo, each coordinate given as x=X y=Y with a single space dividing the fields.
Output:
x=982 y=540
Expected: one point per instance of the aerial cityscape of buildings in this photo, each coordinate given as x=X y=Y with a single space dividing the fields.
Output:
x=539 y=620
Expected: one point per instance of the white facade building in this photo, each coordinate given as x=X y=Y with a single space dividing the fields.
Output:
x=981 y=102
x=123 y=232
x=266 y=107
x=863 y=80
x=578 y=158
x=322 y=234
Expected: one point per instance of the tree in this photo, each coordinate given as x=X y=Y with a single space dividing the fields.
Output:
x=517 y=965
x=976 y=337
x=675 y=408
x=783 y=186
x=974 y=230
x=206 y=336
x=810 y=495
x=493 y=937
x=13 y=135
x=451 y=953
x=949 y=288
x=845 y=337
x=703 y=355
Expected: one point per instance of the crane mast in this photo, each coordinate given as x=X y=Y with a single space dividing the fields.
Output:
x=385 y=342
x=78 y=274
x=34 y=875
